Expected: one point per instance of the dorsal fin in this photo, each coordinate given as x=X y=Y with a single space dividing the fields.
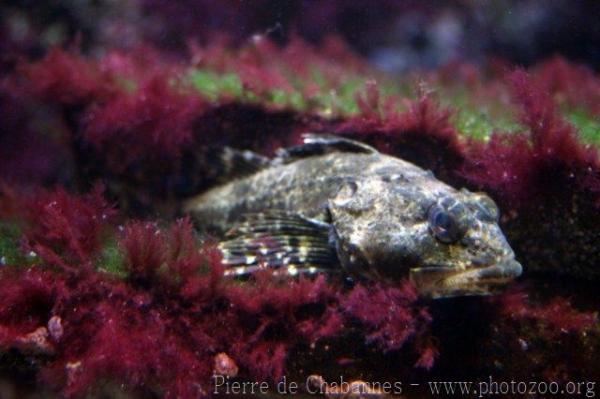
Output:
x=319 y=144
x=235 y=163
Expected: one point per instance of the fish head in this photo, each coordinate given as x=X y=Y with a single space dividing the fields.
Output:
x=447 y=241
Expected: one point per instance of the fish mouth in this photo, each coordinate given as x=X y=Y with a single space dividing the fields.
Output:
x=445 y=281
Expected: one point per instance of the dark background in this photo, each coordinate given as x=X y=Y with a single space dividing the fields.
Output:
x=395 y=35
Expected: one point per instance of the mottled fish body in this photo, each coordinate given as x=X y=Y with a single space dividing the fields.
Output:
x=333 y=204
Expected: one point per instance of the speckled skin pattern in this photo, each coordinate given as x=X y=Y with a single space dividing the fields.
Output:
x=379 y=211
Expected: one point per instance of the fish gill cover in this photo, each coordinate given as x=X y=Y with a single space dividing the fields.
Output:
x=105 y=287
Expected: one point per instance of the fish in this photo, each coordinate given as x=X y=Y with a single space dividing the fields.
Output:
x=339 y=206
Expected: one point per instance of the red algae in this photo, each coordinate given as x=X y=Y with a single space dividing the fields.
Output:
x=68 y=79
x=534 y=175
x=421 y=134
x=153 y=123
x=423 y=117
x=516 y=166
x=552 y=340
x=65 y=230
x=383 y=312
x=159 y=329
x=145 y=248
x=575 y=86
x=31 y=295
x=551 y=136
x=154 y=321
x=504 y=164
x=558 y=317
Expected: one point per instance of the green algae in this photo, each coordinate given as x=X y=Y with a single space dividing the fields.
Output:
x=479 y=125
x=330 y=99
x=336 y=100
x=284 y=98
x=129 y=85
x=473 y=124
x=477 y=120
x=588 y=126
x=11 y=252
x=112 y=260
x=213 y=85
x=339 y=99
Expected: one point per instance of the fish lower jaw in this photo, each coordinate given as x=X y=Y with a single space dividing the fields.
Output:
x=450 y=282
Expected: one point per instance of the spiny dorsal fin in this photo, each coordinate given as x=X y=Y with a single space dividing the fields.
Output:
x=284 y=242
x=235 y=163
x=319 y=144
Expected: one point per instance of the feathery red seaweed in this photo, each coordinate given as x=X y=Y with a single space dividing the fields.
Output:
x=92 y=305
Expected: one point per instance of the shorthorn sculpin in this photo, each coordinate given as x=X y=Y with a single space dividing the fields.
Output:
x=336 y=205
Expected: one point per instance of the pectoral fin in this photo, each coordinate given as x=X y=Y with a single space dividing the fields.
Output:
x=287 y=243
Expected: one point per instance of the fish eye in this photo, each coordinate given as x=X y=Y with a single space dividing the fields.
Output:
x=444 y=225
x=486 y=208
